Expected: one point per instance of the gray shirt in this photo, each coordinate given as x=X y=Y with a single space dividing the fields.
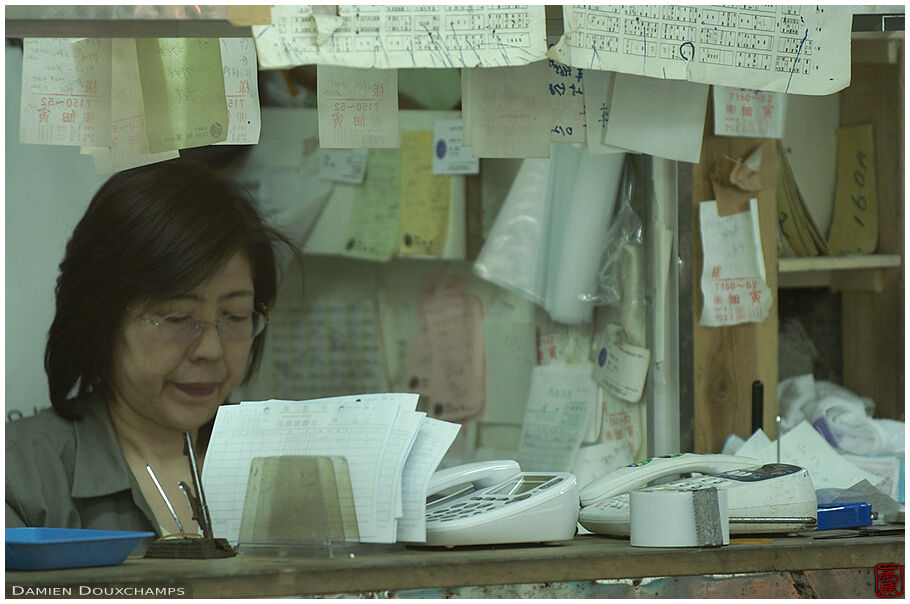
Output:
x=66 y=473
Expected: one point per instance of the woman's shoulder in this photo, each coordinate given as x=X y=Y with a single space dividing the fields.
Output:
x=46 y=425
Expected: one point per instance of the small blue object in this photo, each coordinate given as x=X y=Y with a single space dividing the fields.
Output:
x=844 y=515
x=41 y=548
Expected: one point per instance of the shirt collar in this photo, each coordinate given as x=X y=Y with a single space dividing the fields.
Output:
x=100 y=468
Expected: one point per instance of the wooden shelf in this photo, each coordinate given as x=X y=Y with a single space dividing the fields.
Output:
x=837 y=272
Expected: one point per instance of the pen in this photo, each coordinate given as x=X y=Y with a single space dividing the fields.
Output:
x=167 y=501
x=205 y=522
x=758 y=404
x=777 y=419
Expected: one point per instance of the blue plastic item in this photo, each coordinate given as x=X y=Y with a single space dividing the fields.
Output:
x=40 y=548
x=844 y=515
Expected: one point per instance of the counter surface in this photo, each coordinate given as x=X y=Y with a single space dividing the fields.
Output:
x=393 y=568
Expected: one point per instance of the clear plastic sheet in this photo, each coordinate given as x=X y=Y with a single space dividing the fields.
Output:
x=557 y=239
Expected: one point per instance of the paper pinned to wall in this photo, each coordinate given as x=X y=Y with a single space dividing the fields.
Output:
x=800 y=49
x=373 y=36
x=447 y=363
x=509 y=117
x=450 y=154
x=555 y=417
x=743 y=112
x=598 y=92
x=733 y=270
x=509 y=348
x=343 y=165
x=183 y=92
x=374 y=220
x=425 y=197
x=66 y=92
x=241 y=90
x=665 y=118
x=128 y=147
x=357 y=107
x=621 y=366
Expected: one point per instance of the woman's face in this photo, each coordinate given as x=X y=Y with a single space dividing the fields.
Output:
x=179 y=385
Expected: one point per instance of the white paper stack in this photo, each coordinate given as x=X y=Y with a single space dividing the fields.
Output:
x=391 y=450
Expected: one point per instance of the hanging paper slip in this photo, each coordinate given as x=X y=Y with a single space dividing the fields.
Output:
x=372 y=36
x=66 y=94
x=742 y=112
x=598 y=92
x=128 y=145
x=566 y=87
x=800 y=49
x=425 y=197
x=665 y=118
x=357 y=107
x=183 y=92
x=733 y=270
x=509 y=117
x=241 y=90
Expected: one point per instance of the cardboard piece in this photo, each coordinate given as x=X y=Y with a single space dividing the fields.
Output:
x=736 y=181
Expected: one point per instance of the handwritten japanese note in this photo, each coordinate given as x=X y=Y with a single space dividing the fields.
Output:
x=425 y=197
x=665 y=118
x=565 y=84
x=741 y=112
x=241 y=89
x=556 y=417
x=183 y=92
x=65 y=92
x=447 y=363
x=357 y=107
x=733 y=274
x=450 y=154
x=403 y=36
x=508 y=117
x=128 y=146
x=374 y=221
x=800 y=49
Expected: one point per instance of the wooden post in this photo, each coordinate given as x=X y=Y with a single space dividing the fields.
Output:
x=727 y=360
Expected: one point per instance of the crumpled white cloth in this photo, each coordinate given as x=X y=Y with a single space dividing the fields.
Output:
x=845 y=416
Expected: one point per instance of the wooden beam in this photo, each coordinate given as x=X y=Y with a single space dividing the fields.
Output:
x=727 y=360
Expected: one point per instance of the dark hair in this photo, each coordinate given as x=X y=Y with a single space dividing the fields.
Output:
x=149 y=233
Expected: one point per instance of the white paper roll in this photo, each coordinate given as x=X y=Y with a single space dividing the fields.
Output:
x=667 y=518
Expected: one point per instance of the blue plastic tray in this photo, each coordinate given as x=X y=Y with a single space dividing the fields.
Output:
x=39 y=548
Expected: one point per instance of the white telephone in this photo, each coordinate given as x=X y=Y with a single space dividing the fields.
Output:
x=779 y=491
x=491 y=502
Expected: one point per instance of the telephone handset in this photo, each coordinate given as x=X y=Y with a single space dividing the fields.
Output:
x=493 y=502
x=641 y=473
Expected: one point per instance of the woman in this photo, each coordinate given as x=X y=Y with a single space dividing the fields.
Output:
x=160 y=312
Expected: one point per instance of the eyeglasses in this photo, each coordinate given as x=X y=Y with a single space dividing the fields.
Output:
x=181 y=328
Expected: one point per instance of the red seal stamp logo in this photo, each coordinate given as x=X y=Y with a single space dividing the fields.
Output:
x=889 y=580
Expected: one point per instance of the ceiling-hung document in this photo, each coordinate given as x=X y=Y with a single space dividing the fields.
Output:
x=799 y=49
x=388 y=36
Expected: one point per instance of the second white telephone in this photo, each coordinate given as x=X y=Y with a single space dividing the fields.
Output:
x=492 y=502
x=781 y=492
